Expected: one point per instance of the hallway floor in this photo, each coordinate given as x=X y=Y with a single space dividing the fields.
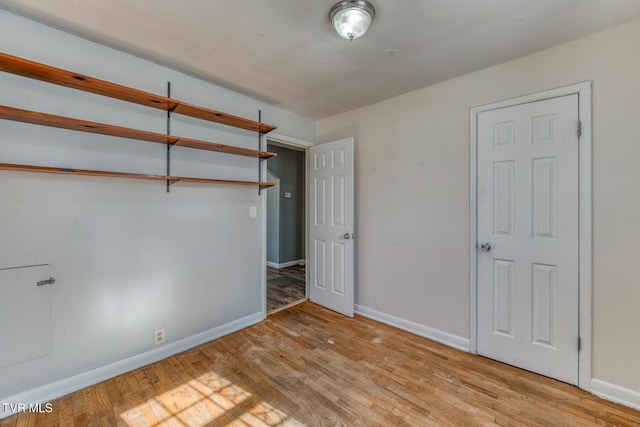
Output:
x=285 y=286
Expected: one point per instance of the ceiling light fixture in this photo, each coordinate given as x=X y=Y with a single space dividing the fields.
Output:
x=352 y=18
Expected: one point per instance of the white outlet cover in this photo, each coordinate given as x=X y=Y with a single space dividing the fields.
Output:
x=287 y=195
x=253 y=211
x=159 y=336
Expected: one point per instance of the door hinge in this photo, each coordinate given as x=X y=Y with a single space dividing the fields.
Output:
x=579 y=128
x=579 y=343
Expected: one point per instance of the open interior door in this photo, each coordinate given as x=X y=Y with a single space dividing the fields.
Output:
x=331 y=228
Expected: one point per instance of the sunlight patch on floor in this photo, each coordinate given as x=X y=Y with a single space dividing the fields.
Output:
x=204 y=401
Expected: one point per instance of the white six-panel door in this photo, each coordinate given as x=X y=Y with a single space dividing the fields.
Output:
x=527 y=226
x=331 y=228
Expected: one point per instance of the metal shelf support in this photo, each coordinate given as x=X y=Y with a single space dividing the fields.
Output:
x=169 y=111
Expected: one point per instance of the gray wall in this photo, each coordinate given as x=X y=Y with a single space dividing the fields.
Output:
x=288 y=165
x=128 y=258
x=273 y=220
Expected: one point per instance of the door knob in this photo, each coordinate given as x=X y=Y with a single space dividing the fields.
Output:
x=485 y=247
x=346 y=236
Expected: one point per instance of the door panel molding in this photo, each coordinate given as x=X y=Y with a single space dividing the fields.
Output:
x=583 y=90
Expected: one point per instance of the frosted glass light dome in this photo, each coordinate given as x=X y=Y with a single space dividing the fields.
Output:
x=352 y=18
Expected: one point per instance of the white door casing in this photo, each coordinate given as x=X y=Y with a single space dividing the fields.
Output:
x=531 y=201
x=331 y=228
x=293 y=143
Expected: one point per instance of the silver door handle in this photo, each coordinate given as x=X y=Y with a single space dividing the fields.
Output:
x=485 y=247
x=347 y=236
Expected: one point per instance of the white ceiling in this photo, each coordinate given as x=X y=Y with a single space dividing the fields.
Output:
x=286 y=52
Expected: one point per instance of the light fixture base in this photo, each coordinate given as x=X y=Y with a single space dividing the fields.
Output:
x=352 y=18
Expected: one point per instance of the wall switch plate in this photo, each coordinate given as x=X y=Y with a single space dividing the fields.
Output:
x=253 y=211
x=158 y=336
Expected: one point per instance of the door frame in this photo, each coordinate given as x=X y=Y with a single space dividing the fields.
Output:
x=297 y=144
x=583 y=90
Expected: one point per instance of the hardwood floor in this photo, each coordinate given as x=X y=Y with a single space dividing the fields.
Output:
x=310 y=366
x=285 y=286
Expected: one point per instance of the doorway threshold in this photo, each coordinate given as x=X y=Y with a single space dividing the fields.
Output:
x=284 y=307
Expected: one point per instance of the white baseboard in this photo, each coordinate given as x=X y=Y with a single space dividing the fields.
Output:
x=285 y=264
x=415 y=328
x=615 y=393
x=60 y=388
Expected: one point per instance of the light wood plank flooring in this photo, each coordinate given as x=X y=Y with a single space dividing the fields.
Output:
x=309 y=366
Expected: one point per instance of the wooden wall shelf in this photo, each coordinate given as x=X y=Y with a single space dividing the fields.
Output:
x=33 y=117
x=35 y=70
x=46 y=73
x=109 y=174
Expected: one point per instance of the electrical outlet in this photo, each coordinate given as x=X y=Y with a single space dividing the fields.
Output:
x=253 y=212
x=158 y=336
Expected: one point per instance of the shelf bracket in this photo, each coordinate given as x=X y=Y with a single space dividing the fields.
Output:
x=259 y=150
x=169 y=184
